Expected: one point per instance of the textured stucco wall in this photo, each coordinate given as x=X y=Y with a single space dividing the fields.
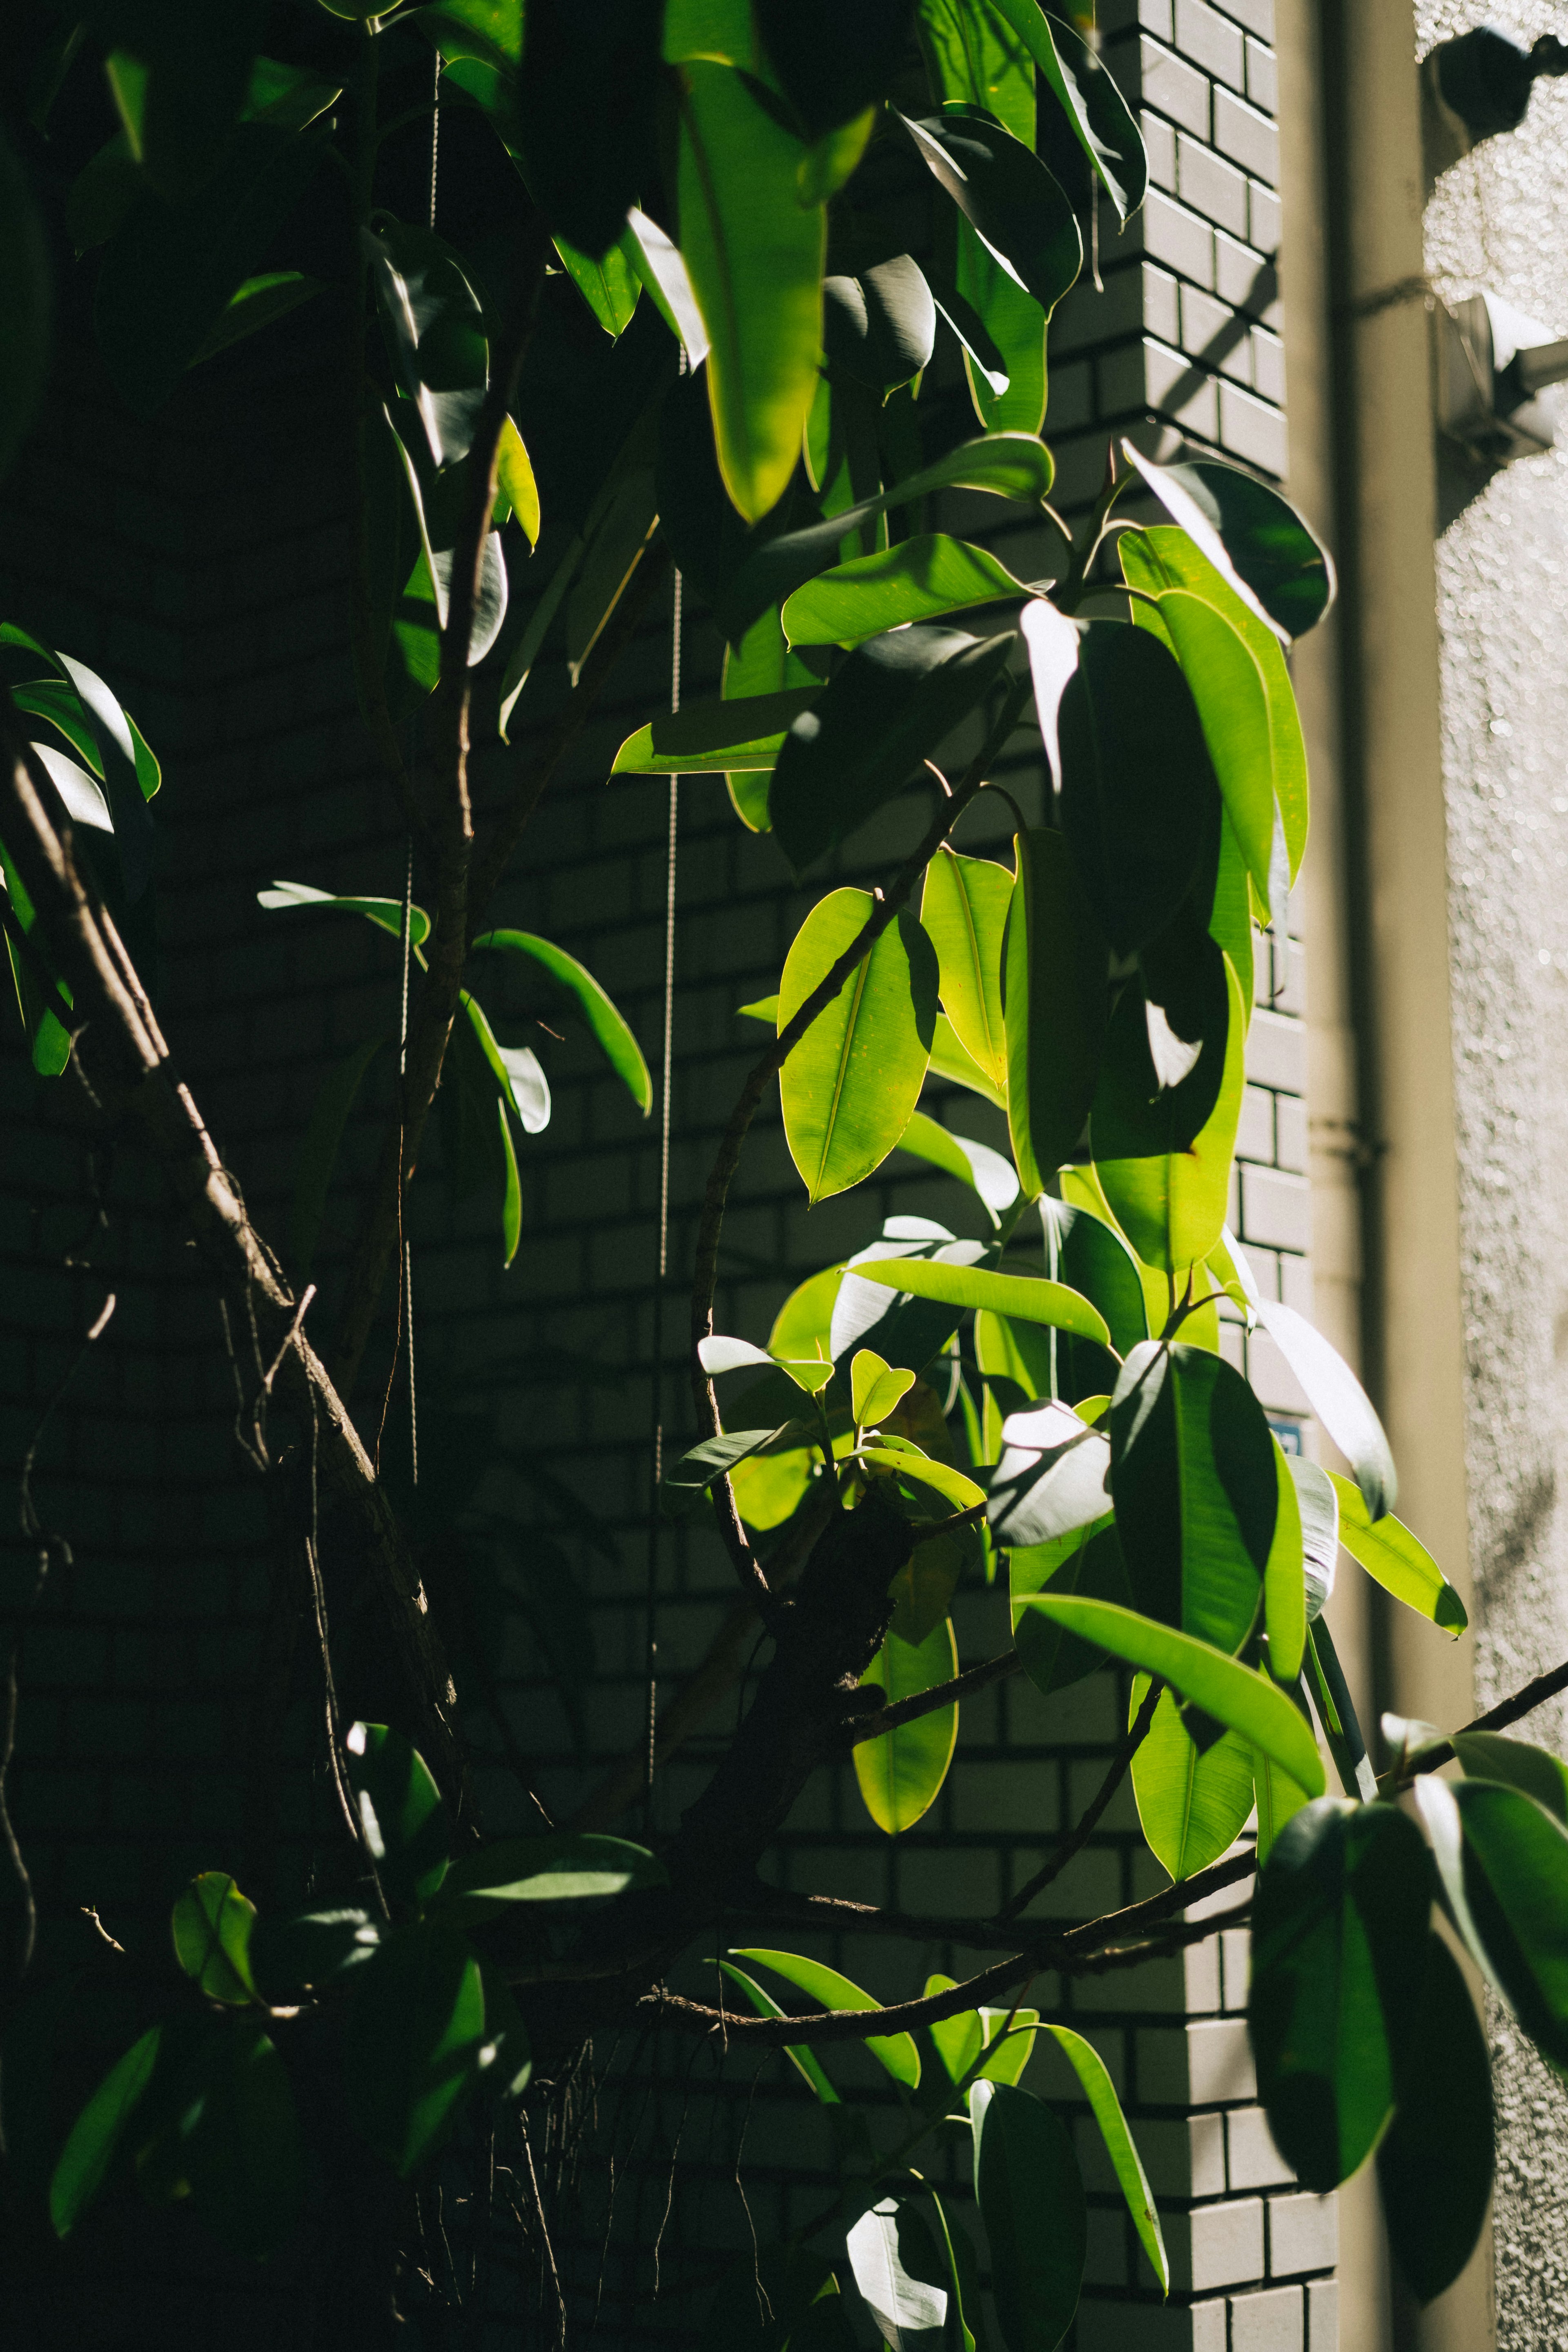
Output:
x=1498 y=220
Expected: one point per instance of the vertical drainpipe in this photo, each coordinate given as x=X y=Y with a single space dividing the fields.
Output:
x=1385 y=1221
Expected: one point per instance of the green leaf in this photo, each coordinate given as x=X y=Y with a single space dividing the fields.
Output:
x=989 y=1172
x=1228 y=688
x=754 y=256
x=1026 y=1295
x=1503 y=1860
x=1435 y=2164
x=1285 y=1578
x=875 y=1389
x=1055 y=999
x=1008 y=465
x=1137 y=784
x=1008 y=197
x=1019 y=1352
x=800 y=2056
x=611 y=1030
x=939 y=1478
x=1163 y=558
x=850 y=1085
x=515 y=482
x=908 y=2309
x=705 y=737
x=385 y=913
x=1279 y=1800
x=402 y=1813
x=879 y=327
x=1320 y=1507
x=97 y=2133
x=974 y=58
x=246 y=2164
x=1050 y=1481
x=1517 y=1764
x=1196 y=1489
x=1244 y=1701
x=568 y=1866
x=1340 y=1926
x=311 y=1952
x=319 y=1151
x=1096 y=112
x=901 y=1773
x=1100 y=2092
x=914 y=581
x=803 y=1324
x=696 y=1471
x=982 y=352
x=25 y=303
x=895 y=2052
x=168 y=274
x=212 y=1927
x=411 y=2054
x=610 y=286
x=958 y=2039
x=1015 y=326
x=1276 y=556
x=954 y=1062
x=1186 y=511
x=963 y=911
x=1031 y=2201
x=893 y=703
x=435 y=329
x=663 y=272
x=1342 y=1404
x=257 y=303
x=1192 y=1803
x=1168 y=1189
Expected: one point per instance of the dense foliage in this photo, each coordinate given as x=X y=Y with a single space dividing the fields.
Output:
x=771 y=219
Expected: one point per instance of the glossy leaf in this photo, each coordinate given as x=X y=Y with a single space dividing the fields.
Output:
x=1503 y=1861
x=963 y=912
x=1276 y=555
x=1285 y=1578
x=1029 y=1297
x=1019 y=1352
x=1279 y=1800
x=939 y=1478
x=168 y=273
x=1192 y=1803
x=901 y=1773
x=246 y=2158
x=1008 y=197
x=1056 y=998
x=910 y=2311
x=567 y=1866
x=1226 y=686
x=1517 y=1764
x=411 y=2054
x=895 y=2052
x=212 y=1927
x=1390 y=1554
x=800 y=2056
x=875 y=1388
x=1086 y=1252
x=1164 y=558
x=515 y=482
x=1031 y=2200
x=663 y=272
x=1051 y=1478
x=1015 y=326
x=1197 y=1488
x=1342 y=1404
x=754 y=257
x=386 y=914
x=436 y=331
x=1096 y=112
x=709 y=737
x=1168 y=1187
x=1013 y=466
x=609 y=1028
x=1086 y=1559
x=697 y=1469
x=1435 y=2164
x=893 y=704
x=1137 y=781
x=260 y=302
x=311 y=1952
x=982 y=352
x=974 y=58
x=879 y=327
x=98 y=2132
x=1186 y=513
x=975 y=1164
x=402 y=1813
x=609 y=285
x=954 y=1062
x=1106 y=2108
x=1340 y=1927
x=1319 y=1503
x=914 y=581
x=904 y=1328
x=1244 y=1701
x=848 y=1088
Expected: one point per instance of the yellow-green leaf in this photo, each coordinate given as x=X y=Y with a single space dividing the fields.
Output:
x=901 y=1773
x=875 y=1387
x=1172 y=1205
x=212 y=1925
x=1029 y=1296
x=514 y=478
x=964 y=913
x=896 y=2052
x=1192 y=1806
x=914 y=581
x=1285 y=1580
x=1395 y=1558
x=849 y=1087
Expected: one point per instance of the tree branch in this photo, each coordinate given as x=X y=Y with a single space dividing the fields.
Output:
x=705 y=1269
x=927 y=1702
x=1496 y=1719
x=132 y=1071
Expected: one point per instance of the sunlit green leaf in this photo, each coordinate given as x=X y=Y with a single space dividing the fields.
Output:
x=900 y=1772
x=965 y=912
x=403 y=1816
x=800 y=2056
x=1029 y=1297
x=515 y=482
x=1050 y=1480
x=212 y=1927
x=1517 y=1764
x=1285 y=1578
x=609 y=1028
x=974 y=58
x=385 y=913
x=1503 y=1860
x=609 y=285
x=908 y=2309
x=850 y=1085
x=567 y=1866
x=1168 y=1187
x=1275 y=554
x=989 y=1172
x=895 y=2052
x=1008 y=197
x=1095 y=110
x=914 y=581
x=1192 y=1803
x=707 y=737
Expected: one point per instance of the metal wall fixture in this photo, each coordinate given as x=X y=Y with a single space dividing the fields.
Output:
x=1491 y=364
x=1482 y=80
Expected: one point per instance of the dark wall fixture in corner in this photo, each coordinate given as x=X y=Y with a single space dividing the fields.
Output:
x=1482 y=80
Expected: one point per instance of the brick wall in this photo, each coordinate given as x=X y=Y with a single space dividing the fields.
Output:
x=203 y=575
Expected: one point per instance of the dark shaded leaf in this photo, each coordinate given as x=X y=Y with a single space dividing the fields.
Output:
x=583 y=104
x=97 y=2134
x=319 y=1151
x=312 y=1951
x=895 y=2052
x=246 y=2165
x=1056 y=996
x=879 y=327
x=567 y=1866
x=1503 y=1860
x=1031 y=2201
x=402 y=1815
x=1279 y=557
x=1008 y=197
x=212 y=1928
x=414 y=2033
x=1340 y=1929
x=909 y=2310
x=1099 y=116
x=1435 y=2164
x=831 y=63
x=609 y=1028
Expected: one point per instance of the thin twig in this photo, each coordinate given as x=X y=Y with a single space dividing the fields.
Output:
x=927 y=1702
x=1073 y=1845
